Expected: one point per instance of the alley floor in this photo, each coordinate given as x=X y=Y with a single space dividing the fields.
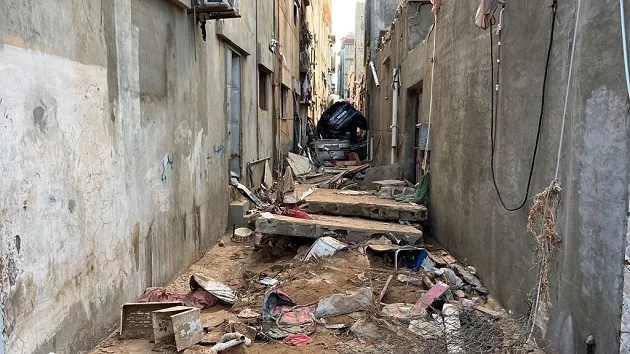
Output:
x=369 y=331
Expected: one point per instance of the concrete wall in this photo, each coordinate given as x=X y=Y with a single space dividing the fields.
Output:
x=379 y=16
x=287 y=74
x=359 y=56
x=586 y=274
x=412 y=70
x=114 y=172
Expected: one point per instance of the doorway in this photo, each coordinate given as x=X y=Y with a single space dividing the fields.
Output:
x=234 y=110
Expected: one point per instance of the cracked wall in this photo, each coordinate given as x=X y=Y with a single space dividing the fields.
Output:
x=114 y=176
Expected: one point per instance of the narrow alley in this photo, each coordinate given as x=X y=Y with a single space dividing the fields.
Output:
x=314 y=176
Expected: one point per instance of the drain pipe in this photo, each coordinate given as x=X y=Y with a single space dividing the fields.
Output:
x=394 y=127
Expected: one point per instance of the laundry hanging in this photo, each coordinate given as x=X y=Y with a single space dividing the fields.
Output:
x=485 y=13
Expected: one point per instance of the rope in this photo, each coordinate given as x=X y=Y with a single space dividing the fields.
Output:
x=566 y=97
x=426 y=148
x=625 y=44
x=494 y=117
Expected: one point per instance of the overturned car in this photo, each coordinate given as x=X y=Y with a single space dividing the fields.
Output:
x=341 y=130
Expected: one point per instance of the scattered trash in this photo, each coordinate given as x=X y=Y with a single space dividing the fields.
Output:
x=403 y=278
x=393 y=248
x=468 y=303
x=301 y=165
x=298 y=340
x=355 y=193
x=197 y=298
x=220 y=290
x=384 y=291
x=487 y=311
x=281 y=317
x=343 y=304
x=246 y=192
x=230 y=340
x=324 y=247
x=297 y=213
x=404 y=313
x=336 y=327
x=442 y=258
x=450 y=276
x=472 y=270
x=452 y=328
x=435 y=292
x=306 y=194
x=469 y=278
x=287 y=188
x=248 y=314
x=427 y=330
x=242 y=235
x=268 y=281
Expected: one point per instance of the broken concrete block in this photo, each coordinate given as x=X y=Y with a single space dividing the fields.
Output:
x=136 y=319
x=332 y=202
x=351 y=230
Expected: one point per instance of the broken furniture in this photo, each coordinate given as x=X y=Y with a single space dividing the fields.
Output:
x=180 y=325
x=395 y=249
x=136 y=321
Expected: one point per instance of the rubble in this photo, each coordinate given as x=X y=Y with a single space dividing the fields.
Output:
x=386 y=292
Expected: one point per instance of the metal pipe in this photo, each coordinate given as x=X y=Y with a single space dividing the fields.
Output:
x=378 y=84
x=258 y=161
x=394 y=127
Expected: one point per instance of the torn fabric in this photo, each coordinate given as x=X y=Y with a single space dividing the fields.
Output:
x=485 y=13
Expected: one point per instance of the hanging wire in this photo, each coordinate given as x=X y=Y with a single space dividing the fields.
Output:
x=494 y=118
x=566 y=97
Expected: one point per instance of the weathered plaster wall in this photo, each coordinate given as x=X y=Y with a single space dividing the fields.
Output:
x=315 y=17
x=412 y=70
x=586 y=275
x=114 y=167
x=379 y=17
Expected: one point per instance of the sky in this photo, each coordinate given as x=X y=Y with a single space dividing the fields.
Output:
x=343 y=13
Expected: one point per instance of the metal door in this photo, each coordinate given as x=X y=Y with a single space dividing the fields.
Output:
x=234 y=110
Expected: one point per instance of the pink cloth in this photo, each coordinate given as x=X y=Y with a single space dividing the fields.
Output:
x=200 y=298
x=436 y=7
x=299 y=340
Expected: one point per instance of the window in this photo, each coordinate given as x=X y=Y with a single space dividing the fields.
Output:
x=263 y=89
x=296 y=13
x=283 y=106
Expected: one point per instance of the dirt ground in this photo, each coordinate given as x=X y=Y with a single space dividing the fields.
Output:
x=240 y=267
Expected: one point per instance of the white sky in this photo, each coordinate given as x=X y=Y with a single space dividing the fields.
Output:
x=343 y=13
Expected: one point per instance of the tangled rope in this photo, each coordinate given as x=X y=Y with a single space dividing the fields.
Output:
x=542 y=224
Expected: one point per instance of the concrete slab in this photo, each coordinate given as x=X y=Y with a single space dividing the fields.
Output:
x=380 y=173
x=136 y=320
x=351 y=229
x=331 y=202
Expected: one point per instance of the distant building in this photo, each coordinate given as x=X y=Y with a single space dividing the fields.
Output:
x=346 y=62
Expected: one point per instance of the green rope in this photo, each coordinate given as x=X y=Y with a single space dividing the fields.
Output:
x=421 y=192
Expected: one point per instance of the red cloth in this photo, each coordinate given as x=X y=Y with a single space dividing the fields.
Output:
x=199 y=298
x=297 y=213
x=299 y=340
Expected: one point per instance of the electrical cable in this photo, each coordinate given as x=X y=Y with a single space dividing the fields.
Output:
x=542 y=110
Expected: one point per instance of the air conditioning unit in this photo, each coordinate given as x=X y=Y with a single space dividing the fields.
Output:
x=217 y=9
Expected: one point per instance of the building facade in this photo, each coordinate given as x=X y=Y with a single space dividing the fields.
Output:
x=121 y=128
x=346 y=65
x=319 y=22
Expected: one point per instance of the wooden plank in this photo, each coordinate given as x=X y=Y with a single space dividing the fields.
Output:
x=331 y=202
x=352 y=230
